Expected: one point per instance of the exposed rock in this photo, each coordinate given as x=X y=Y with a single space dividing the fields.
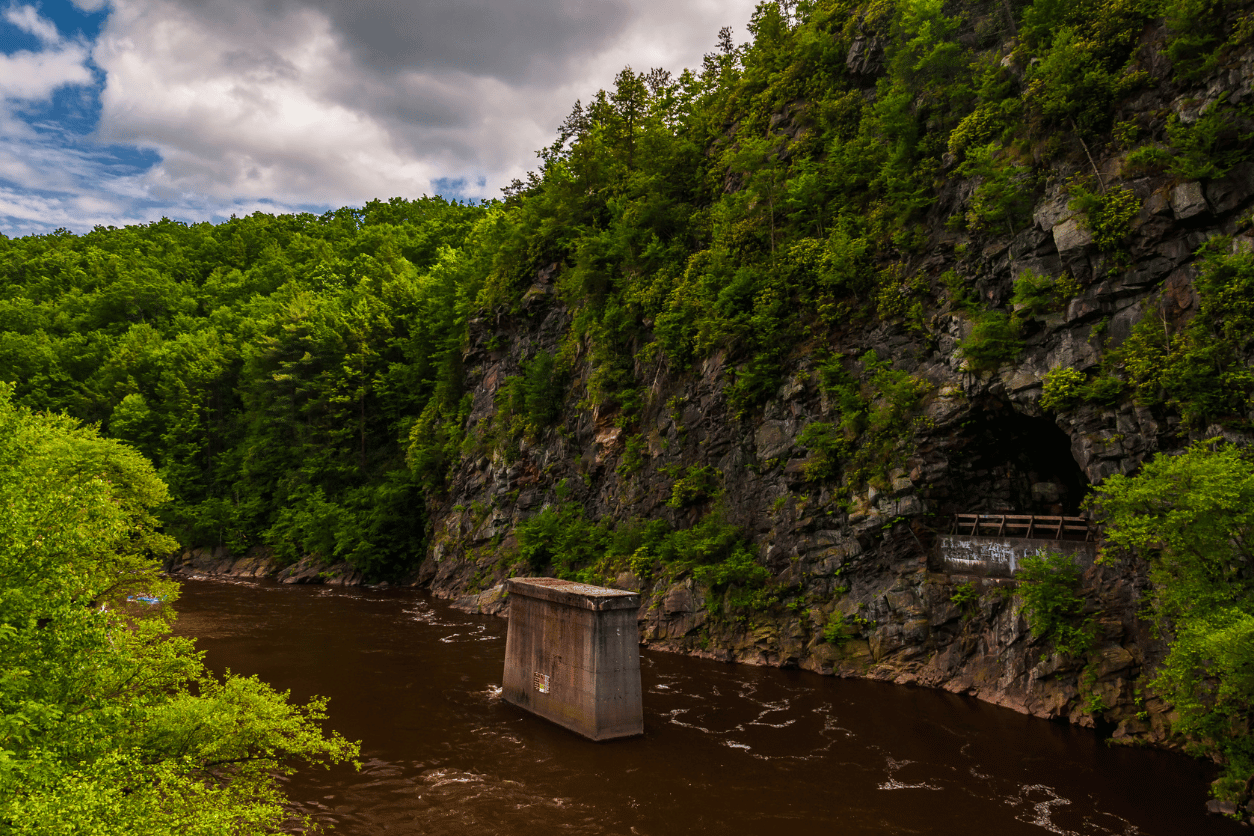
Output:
x=1071 y=238
x=258 y=564
x=866 y=56
x=494 y=601
x=1233 y=190
x=1187 y=201
x=773 y=440
x=1221 y=808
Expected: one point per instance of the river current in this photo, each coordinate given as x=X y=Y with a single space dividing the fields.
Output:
x=727 y=749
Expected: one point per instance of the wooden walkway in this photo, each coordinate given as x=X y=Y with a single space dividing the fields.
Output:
x=1027 y=526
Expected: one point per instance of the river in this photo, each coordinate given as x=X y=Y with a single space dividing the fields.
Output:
x=727 y=749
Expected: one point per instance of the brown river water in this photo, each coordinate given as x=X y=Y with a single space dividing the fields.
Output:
x=727 y=749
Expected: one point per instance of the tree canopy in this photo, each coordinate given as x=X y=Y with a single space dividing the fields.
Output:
x=108 y=724
x=1191 y=516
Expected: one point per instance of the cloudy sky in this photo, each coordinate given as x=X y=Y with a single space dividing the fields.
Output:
x=124 y=111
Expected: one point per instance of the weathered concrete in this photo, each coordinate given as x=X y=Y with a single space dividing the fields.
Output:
x=1001 y=556
x=572 y=656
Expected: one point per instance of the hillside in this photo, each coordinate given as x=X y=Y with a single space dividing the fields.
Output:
x=745 y=342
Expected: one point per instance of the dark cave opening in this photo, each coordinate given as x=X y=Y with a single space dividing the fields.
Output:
x=1011 y=462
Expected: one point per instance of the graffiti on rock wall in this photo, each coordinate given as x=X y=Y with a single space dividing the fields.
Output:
x=1001 y=557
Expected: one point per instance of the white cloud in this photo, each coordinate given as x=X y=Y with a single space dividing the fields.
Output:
x=28 y=19
x=36 y=75
x=328 y=103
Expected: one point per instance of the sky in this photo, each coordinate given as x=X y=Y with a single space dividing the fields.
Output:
x=115 y=112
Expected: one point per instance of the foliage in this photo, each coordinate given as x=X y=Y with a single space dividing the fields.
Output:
x=1085 y=53
x=874 y=413
x=1049 y=586
x=1201 y=370
x=1108 y=214
x=994 y=341
x=107 y=723
x=698 y=484
x=1196 y=32
x=835 y=632
x=1191 y=517
x=1036 y=294
x=1147 y=159
x=559 y=536
x=966 y=597
x=1006 y=191
x=1063 y=386
x=827 y=444
x=298 y=379
x=634 y=451
x=1213 y=144
x=267 y=365
x=717 y=553
x=530 y=402
x=742 y=580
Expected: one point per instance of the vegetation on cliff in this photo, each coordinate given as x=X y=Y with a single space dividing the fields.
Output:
x=297 y=379
x=107 y=723
x=300 y=383
x=1192 y=517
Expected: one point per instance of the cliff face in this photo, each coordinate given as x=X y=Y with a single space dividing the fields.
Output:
x=858 y=550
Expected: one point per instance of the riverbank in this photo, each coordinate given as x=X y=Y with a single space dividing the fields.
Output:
x=259 y=564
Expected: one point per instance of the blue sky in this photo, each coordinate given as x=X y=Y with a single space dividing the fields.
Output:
x=123 y=111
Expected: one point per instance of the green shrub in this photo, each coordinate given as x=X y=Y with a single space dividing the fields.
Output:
x=900 y=298
x=1036 y=294
x=957 y=288
x=836 y=631
x=994 y=341
x=874 y=417
x=742 y=581
x=966 y=597
x=827 y=445
x=1063 y=387
x=1200 y=371
x=1107 y=215
x=1213 y=144
x=633 y=455
x=1049 y=586
x=1196 y=28
x=1104 y=390
x=987 y=123
x=1006 y=192
x=1148 y=159
x=698 y=484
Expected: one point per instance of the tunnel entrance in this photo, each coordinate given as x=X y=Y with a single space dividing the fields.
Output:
x=1011 y=462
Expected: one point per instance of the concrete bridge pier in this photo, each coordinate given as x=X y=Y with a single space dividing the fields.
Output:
x=572 y=656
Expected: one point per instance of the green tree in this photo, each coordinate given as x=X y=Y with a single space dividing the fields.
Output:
x=108 y=725
x=1191 y=517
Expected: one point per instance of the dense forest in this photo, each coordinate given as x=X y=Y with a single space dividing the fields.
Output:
x=301 y=383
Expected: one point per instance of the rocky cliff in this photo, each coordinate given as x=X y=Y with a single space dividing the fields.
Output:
x=1021 y=332
x=859 y=550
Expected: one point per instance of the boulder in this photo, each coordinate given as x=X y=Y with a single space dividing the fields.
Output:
x=678 y=601
x=1071 y=238
x=1221 y=808
x=1187 y=201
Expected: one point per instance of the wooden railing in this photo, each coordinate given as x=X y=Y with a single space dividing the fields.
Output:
x=1029 y=526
